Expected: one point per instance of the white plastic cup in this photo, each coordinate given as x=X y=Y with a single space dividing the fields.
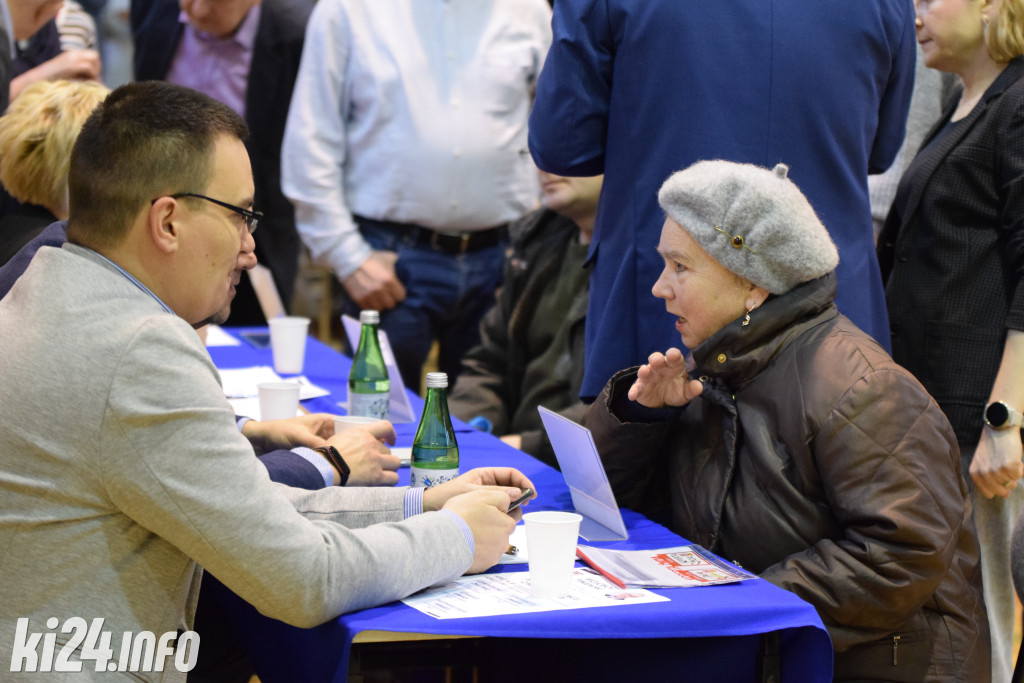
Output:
x=278 y=400
x=288 y=341
x=343 y=422
x=551 y=544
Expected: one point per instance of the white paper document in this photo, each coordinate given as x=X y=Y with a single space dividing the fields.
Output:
x=241 y=382
x=216 y=336
x=488 y=595
x=517 y=541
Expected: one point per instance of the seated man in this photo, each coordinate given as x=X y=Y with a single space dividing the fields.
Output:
x=531 y=349
x=803 y=452
x=284 y=445
x=121 y=466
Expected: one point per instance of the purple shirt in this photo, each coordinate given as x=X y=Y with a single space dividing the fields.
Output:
x=218 y=67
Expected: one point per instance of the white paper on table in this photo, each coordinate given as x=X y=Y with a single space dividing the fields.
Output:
x=250 y=407
x=216 y=336
x=242 y=382
x=307 y=389
x=400 y=409
x=518 y=540
x=488 y=595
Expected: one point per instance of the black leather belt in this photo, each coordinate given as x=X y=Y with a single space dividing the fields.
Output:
x=453 y=243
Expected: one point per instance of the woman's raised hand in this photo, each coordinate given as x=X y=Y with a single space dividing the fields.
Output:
x=663 y=381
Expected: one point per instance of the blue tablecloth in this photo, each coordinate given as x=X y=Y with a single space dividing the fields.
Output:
x=732 y=614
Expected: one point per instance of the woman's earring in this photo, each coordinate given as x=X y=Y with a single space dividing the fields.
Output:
x=746 y=317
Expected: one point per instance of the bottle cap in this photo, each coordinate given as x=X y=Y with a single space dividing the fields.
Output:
x=369 y=317
x=437 y=380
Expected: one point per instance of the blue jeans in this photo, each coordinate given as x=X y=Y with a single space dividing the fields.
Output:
x=446 y=297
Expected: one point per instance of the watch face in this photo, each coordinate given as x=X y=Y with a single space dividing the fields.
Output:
x=997 y=414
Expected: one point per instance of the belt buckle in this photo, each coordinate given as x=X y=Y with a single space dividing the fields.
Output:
x=434 y=235
x=463 y=238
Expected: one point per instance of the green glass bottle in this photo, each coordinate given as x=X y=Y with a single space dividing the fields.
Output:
x=368 y=384
x=435 y=454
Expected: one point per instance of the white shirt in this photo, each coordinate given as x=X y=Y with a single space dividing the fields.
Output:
x=412 y=111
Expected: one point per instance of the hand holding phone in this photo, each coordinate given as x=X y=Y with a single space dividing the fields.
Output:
x=526 y=495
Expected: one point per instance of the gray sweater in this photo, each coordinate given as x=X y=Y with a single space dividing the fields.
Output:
x=121 y=467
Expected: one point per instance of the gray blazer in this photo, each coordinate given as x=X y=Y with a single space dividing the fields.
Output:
x=121 y=467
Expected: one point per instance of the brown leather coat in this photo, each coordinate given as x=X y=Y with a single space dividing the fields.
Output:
x=815 y=461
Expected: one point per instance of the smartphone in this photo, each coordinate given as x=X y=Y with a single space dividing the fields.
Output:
x=520 y=500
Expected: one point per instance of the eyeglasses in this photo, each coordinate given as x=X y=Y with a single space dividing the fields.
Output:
x=252 y=218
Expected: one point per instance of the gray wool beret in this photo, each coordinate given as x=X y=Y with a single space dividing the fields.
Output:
x=753 y=221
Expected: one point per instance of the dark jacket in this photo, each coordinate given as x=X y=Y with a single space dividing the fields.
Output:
x=20 y=227
x=953 y=250
x=815 y=461
x=275 y=64
x=491 y=383
x=54 y=235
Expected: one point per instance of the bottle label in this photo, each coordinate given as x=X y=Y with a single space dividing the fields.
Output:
x=420 y=476
x=369 y=405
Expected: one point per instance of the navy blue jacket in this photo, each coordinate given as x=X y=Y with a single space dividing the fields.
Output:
x=638 y=90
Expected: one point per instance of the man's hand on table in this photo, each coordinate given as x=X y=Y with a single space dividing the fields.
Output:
x=310 y=430
x=365 y=450
x=481 y=497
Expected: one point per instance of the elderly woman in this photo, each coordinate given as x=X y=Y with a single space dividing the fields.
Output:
x=802 y=452
x=36 y=137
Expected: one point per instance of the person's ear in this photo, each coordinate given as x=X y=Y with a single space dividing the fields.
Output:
x=162 y=224
x=987 y=10
x=756 y=296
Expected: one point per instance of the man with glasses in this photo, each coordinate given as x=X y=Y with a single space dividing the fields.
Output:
x=120 y=463
x=367 y=459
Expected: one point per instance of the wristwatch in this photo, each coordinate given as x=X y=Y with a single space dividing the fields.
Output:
x=998 y=415
x=334 y=457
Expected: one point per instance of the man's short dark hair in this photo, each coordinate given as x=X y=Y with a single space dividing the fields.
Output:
x=146 y=140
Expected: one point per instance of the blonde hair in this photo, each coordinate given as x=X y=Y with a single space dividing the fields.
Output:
x=1005 y=35
x=36 y=137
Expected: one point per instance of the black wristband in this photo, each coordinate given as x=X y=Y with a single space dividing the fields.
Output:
x=334 y=457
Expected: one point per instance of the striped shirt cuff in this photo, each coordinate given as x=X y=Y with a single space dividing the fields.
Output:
x=318 y=461
x=414 y=506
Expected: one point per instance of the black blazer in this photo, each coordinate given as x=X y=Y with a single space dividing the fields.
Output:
x=275 y=64
x=952 y=252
